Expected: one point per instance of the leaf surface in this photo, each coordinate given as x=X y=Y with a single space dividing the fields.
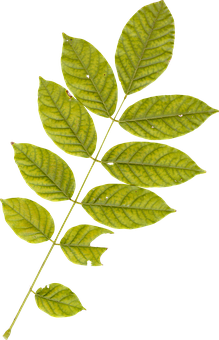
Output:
x=145 y=47
x=58 y=301
x=124 y=206
x=45 y=172
x=76 y=244
x=29 y=220
x=89 y=76
x=164 y=117
x=149 y=164
x=65 y=120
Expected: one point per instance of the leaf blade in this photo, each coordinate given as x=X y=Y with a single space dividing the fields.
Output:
x=145 y=47
x=124 y=207
x=76 y=244
x=45 y=172
x=65 y=120
x=149 y=164
x=29 y=220
x=89 y=76
x=165 y=117
x=58 y=301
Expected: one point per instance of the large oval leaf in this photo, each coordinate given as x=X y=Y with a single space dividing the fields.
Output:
x=149 y=164
x=145 y=47
x=65 y=120
x=165 y=117
x=45 y=172
x=89 y=76
x=29 y=220
x=124 y=206
x=58 y=301
x=76 y=244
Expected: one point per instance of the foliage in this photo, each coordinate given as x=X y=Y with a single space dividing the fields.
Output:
x=143 y=53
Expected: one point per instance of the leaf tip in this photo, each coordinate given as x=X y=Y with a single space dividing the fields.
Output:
x=11 y=143
x=7 y=334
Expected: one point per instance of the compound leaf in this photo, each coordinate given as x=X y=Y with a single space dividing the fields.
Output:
x=164 y=117
x=149 y=164
x=29 y=220
x=65 y=120
x=76 y=244
x=58 y=301
x=124 y=206
x=45 y=172
x=145 y=47
x=89 y=76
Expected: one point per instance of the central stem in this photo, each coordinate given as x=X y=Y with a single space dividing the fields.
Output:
x=30 y=290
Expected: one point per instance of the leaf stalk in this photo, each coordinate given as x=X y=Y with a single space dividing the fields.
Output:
x=8 y=332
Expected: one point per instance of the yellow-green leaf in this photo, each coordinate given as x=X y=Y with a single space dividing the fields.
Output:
x=124 y=206
x=149 y=164
x=45 y=172
x=76 y=244
x=29 y=220
x=165 y=117
x=65 y=120
x=145 y=47
x=58 y=301
x=89 y=76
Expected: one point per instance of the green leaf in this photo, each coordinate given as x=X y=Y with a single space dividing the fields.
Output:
x=89 y=76
x=149 y=164
x=45 y=172
x=165 y=117
x=124 y=206
x=58 y=301
x=76 y=244
x=65 y=120
x=145 y=47
x=29 y=220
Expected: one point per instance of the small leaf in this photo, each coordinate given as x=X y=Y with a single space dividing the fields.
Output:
x=65 y=120
x=149 y=164
x=45 y=172
x=89 y=76
x=29 y=220
x=165 y=117
x=7 y=334
x=145 y=47
x=124 y=206
x=76 y=244
x=58 y=301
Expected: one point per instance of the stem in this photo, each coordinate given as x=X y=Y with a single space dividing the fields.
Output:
x=8 y=332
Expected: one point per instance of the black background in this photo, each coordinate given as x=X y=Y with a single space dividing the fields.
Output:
x=151 y=275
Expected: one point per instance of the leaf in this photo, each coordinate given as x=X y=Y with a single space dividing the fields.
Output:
x=76 y=244
x=145 y=47
x=58 y=301
x=165 y=117
x=89 y=76
x=65 y=120
x=7 y=334
x=149 y=164
x=124 y=206
x=45 y=172
x=29 y=220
